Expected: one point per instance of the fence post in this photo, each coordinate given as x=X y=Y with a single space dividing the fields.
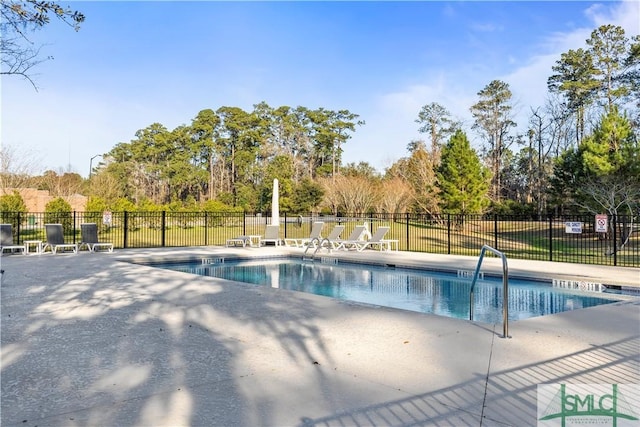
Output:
x=74 y=226
x=18 y=231
x=162 y=228
x=244 y=222
x=448 y=234
x=285 y=225
x=125 y=231
x=206 y=228
x=615 y=239
x=495 y=232
x=550 y=238
x=407 y=223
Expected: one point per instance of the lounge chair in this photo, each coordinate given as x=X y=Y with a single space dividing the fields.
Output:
x=378 y=240
x=316 y=233
x=354 y=238
x=240 y=240
x=6 y=240
x=55 y=239
x=90 y=238
x=271 y=235
x=332 y=241
x=252 y=240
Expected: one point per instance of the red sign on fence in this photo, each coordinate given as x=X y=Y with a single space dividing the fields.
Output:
x=601 y=223
x=106 y=218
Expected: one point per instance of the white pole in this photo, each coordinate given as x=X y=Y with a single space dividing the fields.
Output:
x=275 y=208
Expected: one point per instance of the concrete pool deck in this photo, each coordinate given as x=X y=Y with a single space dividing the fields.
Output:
x=88 y=340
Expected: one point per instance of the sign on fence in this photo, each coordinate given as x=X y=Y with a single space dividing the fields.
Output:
x=573 y=227
x=106 y=218
x=601 y=223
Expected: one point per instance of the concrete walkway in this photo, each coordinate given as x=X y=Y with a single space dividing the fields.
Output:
x=88 y=340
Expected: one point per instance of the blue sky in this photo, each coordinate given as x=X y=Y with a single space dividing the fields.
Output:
x=136 y=63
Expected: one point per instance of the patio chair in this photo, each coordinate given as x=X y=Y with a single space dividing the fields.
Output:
x=252 y=240
x=332 y=241
x=271 y=235
x=55 y=239
x=90 y=238
x=378 y=240
x=355 y=238
x=240 y=240
x=316 y=233
x=6 y=240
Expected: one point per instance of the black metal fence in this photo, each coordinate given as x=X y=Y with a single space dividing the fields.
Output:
x=578 y=239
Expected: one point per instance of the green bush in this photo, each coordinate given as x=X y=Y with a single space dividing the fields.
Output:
x=58 y=211
x=126 y=205
x=96 y=206
x=216 y=211
x=148 y=214
x=12 y=210
x=218 y=206
x=512 y=207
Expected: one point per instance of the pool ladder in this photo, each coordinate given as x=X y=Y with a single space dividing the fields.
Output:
x=317 y=245
x=505 y=288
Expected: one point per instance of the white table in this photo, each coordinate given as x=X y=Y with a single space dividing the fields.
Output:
x=252 y=240
x=29 y=243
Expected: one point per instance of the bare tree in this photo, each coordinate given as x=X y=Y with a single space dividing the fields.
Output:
x=418 y=170
x=60 y=183
x=105 y=186
x=618 y=197
x=16 y=167
x=395 y=195
x=18 y=55
x=350 y=194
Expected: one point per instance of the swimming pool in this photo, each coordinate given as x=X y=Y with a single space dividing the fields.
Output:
x=439 y=293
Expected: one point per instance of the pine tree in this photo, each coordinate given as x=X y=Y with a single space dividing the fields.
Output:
x=462 y=178
x=492 y=116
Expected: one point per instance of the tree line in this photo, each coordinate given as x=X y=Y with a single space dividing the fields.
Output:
x=580 y=153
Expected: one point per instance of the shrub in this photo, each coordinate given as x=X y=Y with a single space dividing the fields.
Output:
x=126 y=205
x=512 y=207
x=58 y=211
x=94 y=210
x=149 y=214
x=12 y=210
x=214 y=208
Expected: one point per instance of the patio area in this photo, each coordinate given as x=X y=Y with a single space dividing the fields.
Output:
x=89 y=340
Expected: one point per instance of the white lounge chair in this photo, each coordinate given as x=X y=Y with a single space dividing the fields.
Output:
x=378 y=241
x=89 y=233
x=271 y=235
x=240 y=240
x=55 y=239
x=332 y=241
x=6 y=240
x=244 y=240
x=316 y=233
x=354 y=238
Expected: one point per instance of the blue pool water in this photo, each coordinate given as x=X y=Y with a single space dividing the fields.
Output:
x=443 y=294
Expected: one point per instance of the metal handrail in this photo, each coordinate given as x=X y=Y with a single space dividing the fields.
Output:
x=317 y=244
x=505 y=288
x=320 y=245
